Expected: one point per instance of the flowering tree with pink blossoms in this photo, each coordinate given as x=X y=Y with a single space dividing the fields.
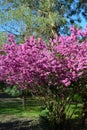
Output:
x=58 y=63
x=53 y=67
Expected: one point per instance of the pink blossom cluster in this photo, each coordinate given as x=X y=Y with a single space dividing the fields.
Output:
x=36 y=63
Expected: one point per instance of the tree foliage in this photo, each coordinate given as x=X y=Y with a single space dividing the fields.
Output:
x=43 y=18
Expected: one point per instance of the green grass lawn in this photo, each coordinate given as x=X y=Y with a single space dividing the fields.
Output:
x=12 y=109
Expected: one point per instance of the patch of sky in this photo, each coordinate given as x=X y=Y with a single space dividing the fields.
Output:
x=5 y=7
x=10 y=26
x=14 y=27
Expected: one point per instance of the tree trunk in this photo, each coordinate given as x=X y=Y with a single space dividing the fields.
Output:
x=24 y=102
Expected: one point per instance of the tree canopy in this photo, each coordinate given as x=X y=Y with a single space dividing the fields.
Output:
x=43 y=18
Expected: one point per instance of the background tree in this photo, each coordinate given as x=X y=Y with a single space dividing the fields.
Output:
x=43 y=18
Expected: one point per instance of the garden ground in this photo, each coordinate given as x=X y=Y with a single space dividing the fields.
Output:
x=11 y=110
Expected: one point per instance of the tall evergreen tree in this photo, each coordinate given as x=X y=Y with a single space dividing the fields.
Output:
x=43 y=18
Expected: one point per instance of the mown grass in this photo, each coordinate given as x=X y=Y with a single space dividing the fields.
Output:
x=12 y=108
